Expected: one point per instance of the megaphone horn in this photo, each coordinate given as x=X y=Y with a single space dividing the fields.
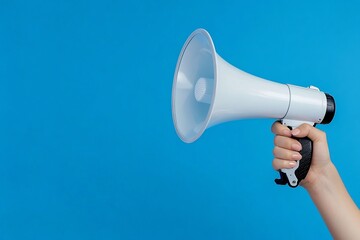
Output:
x=207 y=91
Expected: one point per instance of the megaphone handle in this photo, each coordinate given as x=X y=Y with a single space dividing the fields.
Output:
x=293 y=176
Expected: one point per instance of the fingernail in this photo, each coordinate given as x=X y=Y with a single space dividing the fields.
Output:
x=296 y=156
x=296 y=147
x=292 y=164
x=295 y=132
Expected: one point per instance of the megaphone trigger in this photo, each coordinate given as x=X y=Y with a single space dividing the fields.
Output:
x=283 y=180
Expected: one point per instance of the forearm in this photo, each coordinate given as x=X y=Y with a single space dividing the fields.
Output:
x=335 y=205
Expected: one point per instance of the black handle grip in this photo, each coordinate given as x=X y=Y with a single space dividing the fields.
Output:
x=304 y=164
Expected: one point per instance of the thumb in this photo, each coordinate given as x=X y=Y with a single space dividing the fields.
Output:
x=305 y=130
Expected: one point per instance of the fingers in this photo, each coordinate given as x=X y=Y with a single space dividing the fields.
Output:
x=281 y=164
x=286 y=150
x=280 y=129
x=287 y=143
x=286 y=154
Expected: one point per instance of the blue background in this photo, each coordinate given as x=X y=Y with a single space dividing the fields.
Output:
x=87 y=144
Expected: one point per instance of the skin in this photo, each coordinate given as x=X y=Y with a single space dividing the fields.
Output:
x=323 y=182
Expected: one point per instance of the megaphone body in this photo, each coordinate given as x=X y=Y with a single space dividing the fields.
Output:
x=208 y=91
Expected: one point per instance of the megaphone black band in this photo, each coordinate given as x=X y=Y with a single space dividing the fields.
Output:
x=330 y=109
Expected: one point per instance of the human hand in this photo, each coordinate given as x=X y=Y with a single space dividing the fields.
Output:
x=286 y=150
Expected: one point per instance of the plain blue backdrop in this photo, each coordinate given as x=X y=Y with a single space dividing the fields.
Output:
x=87 y=145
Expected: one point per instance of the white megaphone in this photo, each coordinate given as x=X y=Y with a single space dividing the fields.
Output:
x=207 y=91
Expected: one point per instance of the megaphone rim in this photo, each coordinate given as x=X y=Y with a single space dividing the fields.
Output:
x=213 y=53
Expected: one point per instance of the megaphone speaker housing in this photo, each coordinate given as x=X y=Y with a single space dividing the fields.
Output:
x=207 y=91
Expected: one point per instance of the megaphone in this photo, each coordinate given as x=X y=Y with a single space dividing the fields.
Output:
x=208 y=91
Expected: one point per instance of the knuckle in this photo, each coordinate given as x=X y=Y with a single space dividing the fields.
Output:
x=275 y=127
x=276 y=140
x=274 y=151
x=306 y=127
x=275 y=164
x=277 y=152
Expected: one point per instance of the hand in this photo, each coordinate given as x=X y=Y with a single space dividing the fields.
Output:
x=286 y=150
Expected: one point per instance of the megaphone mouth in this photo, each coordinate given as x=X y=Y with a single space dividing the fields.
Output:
x=196 y=67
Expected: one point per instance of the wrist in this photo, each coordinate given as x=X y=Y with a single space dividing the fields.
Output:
x=321 y=179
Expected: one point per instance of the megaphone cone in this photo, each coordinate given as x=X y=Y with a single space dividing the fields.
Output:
x=207 y=91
